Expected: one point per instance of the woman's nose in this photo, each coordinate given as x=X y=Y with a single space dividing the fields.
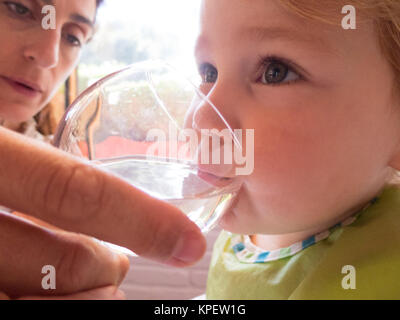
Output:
x=45 y=49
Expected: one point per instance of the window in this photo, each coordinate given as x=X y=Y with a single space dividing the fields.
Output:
x=130 y=31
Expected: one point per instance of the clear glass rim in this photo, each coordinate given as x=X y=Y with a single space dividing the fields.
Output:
x=151 y=63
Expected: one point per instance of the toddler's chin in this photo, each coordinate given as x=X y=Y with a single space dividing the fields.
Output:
x=229 y=222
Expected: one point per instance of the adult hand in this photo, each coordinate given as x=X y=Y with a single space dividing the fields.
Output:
x=66 y=192
x=106 y=293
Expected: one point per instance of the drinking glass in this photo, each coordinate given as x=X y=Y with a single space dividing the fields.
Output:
x=151 y=126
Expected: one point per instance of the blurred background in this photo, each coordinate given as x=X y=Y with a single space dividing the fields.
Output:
x=135 y=30
x=130 y=31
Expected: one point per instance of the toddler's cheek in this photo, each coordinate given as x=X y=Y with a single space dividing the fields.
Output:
x=240 y=218
x=229 y=223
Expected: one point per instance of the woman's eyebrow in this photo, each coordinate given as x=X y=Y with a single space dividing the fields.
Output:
x=81 y=19
x=76 y=17
x=46 y=1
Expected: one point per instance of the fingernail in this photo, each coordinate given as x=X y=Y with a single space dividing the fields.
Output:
x=190 y=247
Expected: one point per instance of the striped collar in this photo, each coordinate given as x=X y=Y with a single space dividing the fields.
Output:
x=247 y=252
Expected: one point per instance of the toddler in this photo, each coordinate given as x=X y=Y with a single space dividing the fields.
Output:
x=319 y=217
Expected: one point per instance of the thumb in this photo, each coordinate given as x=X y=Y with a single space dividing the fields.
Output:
x=105 y=293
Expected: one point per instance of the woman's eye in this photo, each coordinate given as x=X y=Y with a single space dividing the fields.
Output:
x=18 y=9
x=72 y=40
x=208 y=73
x=278 y=72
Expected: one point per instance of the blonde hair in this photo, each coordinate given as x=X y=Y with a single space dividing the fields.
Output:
x=385 y=14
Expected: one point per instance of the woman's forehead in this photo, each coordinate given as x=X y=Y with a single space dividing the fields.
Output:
x=86 y=8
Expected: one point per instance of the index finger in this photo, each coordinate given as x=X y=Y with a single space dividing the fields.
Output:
x=63 y=190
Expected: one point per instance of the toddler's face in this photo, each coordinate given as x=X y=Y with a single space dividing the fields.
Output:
x=319 y=99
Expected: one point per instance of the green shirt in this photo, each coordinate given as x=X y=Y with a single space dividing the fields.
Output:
x=364 y=254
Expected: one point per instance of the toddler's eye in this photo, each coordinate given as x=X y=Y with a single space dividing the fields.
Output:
x=208 y=73
x=278 y=72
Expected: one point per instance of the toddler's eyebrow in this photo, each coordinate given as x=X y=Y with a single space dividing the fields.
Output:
x=261 y=34
x=290 y=34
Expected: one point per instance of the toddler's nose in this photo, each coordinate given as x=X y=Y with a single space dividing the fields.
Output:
x=206 y=116
x=215 y=151
x=208 y=122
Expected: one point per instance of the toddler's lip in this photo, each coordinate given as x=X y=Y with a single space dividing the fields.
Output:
x=219 y=170
x=214 y=180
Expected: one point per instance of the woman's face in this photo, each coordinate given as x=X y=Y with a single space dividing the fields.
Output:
x=34 y=62
x=319 y=99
